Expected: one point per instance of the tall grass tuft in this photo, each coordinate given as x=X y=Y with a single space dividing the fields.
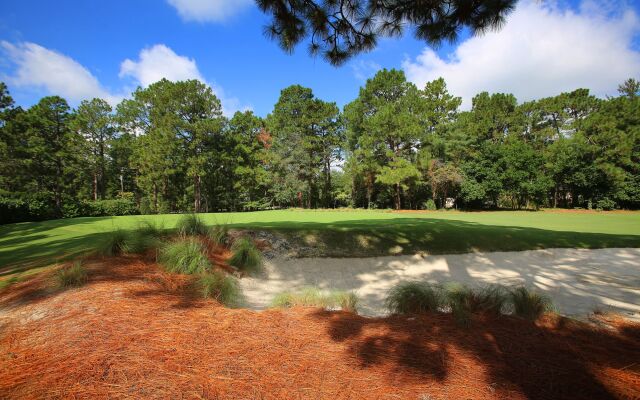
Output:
x=219 y=234
x=464 y=301
x=185 y=256
x=529 y=304
x=246 y=257
x=191 y=224
x=415 y=298
x=221 y=287
x=147 y=236
x=75 y=275
x=115 y=243
x=314 y=297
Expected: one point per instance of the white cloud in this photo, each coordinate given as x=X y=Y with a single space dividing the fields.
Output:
x=541 y=51
x=58 y=74
x=160 y=61
x=209 y=10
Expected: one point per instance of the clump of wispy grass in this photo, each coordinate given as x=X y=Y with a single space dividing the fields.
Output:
x=415 y=298
x=219 y=234
x=147 y=236
x=314 y=297
x=185 y=256
x=115 y=243
x=191 y=224
x=151 y=229
x=221 y=287
x=529 y=304
x=72 y=276
x=246 y=256
x=464 y=301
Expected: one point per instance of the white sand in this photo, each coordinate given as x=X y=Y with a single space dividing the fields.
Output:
x=577 y=280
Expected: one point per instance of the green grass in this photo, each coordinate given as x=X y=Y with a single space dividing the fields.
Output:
x=221 y=287
x=25 y=246
x=246 y=257
x=314 y=297
x=184 y=256
x=415 y=298
x=71 y=276
x=529 y=304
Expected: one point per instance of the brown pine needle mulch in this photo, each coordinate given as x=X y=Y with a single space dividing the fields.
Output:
x=134 y=332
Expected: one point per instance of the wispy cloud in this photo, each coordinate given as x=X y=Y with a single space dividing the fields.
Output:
x=209 y=10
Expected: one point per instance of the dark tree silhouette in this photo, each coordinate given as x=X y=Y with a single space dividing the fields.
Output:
x=340 y=29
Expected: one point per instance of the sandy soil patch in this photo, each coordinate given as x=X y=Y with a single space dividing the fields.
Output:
x=578 y=280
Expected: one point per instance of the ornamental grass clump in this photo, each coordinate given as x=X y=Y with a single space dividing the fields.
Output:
x=415 y=298
x=314 y=297
x=73 y=276
x=220 y=287
x=184 y=256
x=191 y=225
x=464 y=301
x=115 y=243
x=219 y=234
x=245 y=256
x=529 y=304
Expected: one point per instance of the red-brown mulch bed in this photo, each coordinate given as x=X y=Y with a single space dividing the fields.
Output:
x=135 y=332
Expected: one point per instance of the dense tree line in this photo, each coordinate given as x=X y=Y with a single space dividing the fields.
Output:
x=169 y=148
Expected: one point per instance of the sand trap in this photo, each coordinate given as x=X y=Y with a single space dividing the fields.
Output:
x=578 y=280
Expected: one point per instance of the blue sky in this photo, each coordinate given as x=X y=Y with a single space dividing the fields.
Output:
x=78 y=49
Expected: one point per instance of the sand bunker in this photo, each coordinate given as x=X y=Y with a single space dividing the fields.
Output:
x=578 y=280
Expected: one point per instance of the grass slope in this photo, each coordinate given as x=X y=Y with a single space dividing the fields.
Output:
x=25 y=246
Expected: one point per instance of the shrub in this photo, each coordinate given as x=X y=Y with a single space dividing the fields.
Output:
x=75 y=275
x=219 y=234
x=186 y=256
x=221 y=287
x=605 y=204
x=191 y=224
x=314 y=297
x=246 y=257
x=100 y=208
x=430 y=205
x=529 y=304
x=115 y=243
x=414 y=298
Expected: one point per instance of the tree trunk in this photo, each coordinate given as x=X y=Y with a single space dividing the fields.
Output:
x=155 y=197
x=196 y=194
x=95 y=186
x=397 y=199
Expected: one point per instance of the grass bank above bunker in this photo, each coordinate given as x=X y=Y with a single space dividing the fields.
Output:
x=352 y=233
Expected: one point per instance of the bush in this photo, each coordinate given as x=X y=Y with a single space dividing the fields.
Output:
x=605 y=204
x=430 y=205
x=414 y=298
x=529 y=304
x=191 y=224
x=186 y=256
x=246 y=257
x=72 y=276
x=314 y=297
x=101 y=208
x=146 y=206
x=219 y=234
x=115 y=243
x=221 y=287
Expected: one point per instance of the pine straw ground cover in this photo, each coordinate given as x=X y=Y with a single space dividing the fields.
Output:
x=136 y=332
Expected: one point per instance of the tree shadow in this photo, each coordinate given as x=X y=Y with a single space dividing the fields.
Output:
x=557 y=359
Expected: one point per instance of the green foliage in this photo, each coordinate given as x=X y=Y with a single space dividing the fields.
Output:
x=191 y=224
x=113 y=207
x=220 y=287
x=605 y=204
x=147 y=236
x=430 y=205
x=219 y=234
x=415 y=298
x=71 y=276
x=115 y=243
x=314 y=297
x=184 y=256
x=246 y=257
x=529 y=304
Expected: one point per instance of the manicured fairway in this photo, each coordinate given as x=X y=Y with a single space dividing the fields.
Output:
x=344 y=233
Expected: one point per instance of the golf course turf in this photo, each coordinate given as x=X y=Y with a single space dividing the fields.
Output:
x=348 y=233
